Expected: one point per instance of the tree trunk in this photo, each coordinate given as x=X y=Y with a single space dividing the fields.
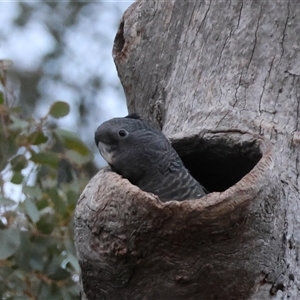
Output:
x=221 y=78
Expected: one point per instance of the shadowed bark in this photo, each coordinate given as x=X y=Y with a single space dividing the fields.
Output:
x=221 y=78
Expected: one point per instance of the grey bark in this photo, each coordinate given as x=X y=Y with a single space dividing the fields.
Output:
x=221 y=78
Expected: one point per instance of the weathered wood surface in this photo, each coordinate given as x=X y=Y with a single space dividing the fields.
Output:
x=221 y=78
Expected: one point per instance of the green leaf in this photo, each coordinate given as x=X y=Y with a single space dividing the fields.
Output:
x=8 y=149
x=33 y=191
x=6 y=201
x=47 y=223
x=1 y=98
x=19 y=162
x=59 y=109
x=59 y=274
x=23 y=253
x=18 y=124
x=38 y=249
x=42 y=203
x=55 y=271
x=45 y=291
x=17 y=178
x=37 y=137
x=16 y=109
x=70 y=292
x=18 y=273
x=10 y=241
x=32 y=211
x=72 y=197
x=45 y=158
x=73 y=262
x=59 y=204
x=71 y=141
x=77 y=158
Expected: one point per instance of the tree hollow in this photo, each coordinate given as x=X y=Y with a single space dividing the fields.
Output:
x=220 y=160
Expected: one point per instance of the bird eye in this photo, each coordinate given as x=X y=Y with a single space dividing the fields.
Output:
x=122 y=133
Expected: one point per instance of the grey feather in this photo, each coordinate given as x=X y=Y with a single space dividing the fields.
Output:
x=141 y=153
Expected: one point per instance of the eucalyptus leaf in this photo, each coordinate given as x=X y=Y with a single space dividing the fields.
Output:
x=33 y=191
x=1 y=98
x=77 y=158
x=19 y=162
x=10 y=241
x=46 y=158
x=47 y=223
x=59 y=204
x=17 y=178
x=32 y=210
x=74 y=262
x=71 y=141
x=37 y=137
x=18 y=123
x=59 y=109
x=7 y=201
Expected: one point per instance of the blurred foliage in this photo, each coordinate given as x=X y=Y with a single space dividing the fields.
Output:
x=64 y=47
x=42 y=173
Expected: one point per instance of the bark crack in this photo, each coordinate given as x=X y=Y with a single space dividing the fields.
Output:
x=237 y=89
x=297 y=172
x=297 y=128
x=284 y=29
x=224 y=45
x=222 y=119
x=298 y=111
x=204 y=18
x=191 y=18
x=251 y=55
x=264 y=86
x=240 y=15
x=190 y=52
x=255 y=37
x=208 y=115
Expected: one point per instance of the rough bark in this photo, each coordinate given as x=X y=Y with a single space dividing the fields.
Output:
x=221 y=78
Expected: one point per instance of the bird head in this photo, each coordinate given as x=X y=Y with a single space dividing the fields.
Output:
x=128 y=144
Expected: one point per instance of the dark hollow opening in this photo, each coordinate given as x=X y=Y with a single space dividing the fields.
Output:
x=119 y=40
x=218 y=163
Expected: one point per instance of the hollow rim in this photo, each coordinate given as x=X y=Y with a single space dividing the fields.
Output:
x=215 y=204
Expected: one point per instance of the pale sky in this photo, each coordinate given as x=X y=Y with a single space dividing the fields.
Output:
x=86 y=51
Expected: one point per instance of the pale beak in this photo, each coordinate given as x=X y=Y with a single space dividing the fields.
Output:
x=106 y=151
